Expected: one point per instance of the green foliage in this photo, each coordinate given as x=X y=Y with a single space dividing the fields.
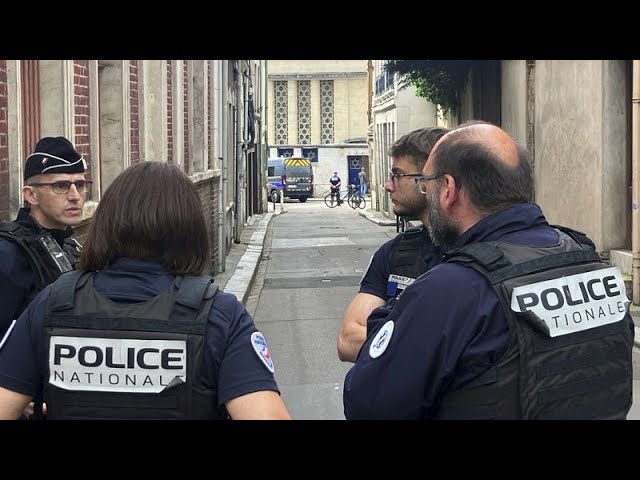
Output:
x=439 y=81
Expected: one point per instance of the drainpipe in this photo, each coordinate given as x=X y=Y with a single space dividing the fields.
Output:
x=237 y=73
x=223 y=115
x=264 y=130
x=635 y=182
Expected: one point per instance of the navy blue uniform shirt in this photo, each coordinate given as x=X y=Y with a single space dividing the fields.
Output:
x=23 y=362
x=17 y=279
x=376 y=277
x=448 y=328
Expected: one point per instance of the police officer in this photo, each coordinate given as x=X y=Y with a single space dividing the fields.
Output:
x=521 y=321
x=38 y=245
x=336 y=183
x=401 y=260
x=139 y=332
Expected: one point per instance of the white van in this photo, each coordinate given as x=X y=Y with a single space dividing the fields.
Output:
x=292 y=177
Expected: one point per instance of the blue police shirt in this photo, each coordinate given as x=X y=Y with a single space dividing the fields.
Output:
x=17 y=279
x=23 y=362
x=376 y=277
x=448 y=328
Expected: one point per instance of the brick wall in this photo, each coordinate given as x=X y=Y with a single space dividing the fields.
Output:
x=210 y=150
x=81 y=110
x=134 y=126
x=4 y=145
x=215 y=198
x=185 y=99
x=169 y=112
x=206 y=191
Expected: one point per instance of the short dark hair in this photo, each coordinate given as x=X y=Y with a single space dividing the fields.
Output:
x=492 y=185
x=417 y=144
x=151 y=210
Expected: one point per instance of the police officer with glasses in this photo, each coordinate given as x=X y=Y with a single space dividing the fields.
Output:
x=38 y=246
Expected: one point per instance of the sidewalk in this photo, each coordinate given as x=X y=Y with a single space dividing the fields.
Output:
x=243 y=258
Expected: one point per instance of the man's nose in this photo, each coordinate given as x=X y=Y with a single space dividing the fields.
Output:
x=73 y=192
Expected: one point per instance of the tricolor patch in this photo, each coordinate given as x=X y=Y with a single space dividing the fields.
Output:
x=260 y=346
x=381 y=340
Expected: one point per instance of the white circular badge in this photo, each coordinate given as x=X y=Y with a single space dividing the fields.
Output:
x=381 y=340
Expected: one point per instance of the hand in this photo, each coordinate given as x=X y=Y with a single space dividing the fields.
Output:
x=30 y=409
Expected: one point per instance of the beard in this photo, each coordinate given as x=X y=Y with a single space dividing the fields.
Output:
x=443 y=231
x=411 y=208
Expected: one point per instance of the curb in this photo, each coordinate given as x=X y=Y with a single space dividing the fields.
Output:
x=241 y=281
x=385 y=222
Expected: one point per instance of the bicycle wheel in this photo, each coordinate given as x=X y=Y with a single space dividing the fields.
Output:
x=330 y=200
x=363 y=202
x=356 y=201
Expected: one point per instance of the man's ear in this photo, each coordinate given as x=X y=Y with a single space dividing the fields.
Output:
x=30 y=195
x=450 y=194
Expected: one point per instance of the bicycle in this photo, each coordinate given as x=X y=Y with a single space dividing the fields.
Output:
x=352 y=196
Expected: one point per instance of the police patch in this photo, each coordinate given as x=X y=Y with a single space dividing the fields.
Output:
x=381 y=341
x=400 y=280
x=116 y=364
x=260 y=346
x=575 y=303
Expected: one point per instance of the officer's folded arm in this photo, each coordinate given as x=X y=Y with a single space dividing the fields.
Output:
x=262 y=405
x=12 y=404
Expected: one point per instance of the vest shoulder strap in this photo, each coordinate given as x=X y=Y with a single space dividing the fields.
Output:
x=193 y=290
x=10 y=227
x=410 y=240
x=489 y=257
x=577 y=235
x=491 y=261
x=63 y=290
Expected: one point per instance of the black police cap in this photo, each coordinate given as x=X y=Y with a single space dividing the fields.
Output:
x=54 y=155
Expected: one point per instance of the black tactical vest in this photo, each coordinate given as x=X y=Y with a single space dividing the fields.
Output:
x=128 y=361
x=47 y=260
x=407 y=262
x=545 y=373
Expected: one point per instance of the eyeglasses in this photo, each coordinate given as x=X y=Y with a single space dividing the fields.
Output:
x=421 y=181
x=393 y=175
x=62 y=187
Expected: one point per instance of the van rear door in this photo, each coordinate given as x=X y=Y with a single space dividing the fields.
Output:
x=298 y=176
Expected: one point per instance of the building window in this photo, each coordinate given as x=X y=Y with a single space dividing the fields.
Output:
x=281 y=112
x=310 y=153
x=326 y=111
x=285 y=152
x=304 y=112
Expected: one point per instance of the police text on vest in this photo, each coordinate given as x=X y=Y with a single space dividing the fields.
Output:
x=574 y=303
x=116 y=364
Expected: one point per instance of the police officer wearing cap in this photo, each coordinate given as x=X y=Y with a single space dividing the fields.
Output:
x=38 y=246
x=521 y=320
x=140 y=331
x=398 y=262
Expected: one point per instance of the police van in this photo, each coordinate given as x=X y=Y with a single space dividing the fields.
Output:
x=291 y=177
